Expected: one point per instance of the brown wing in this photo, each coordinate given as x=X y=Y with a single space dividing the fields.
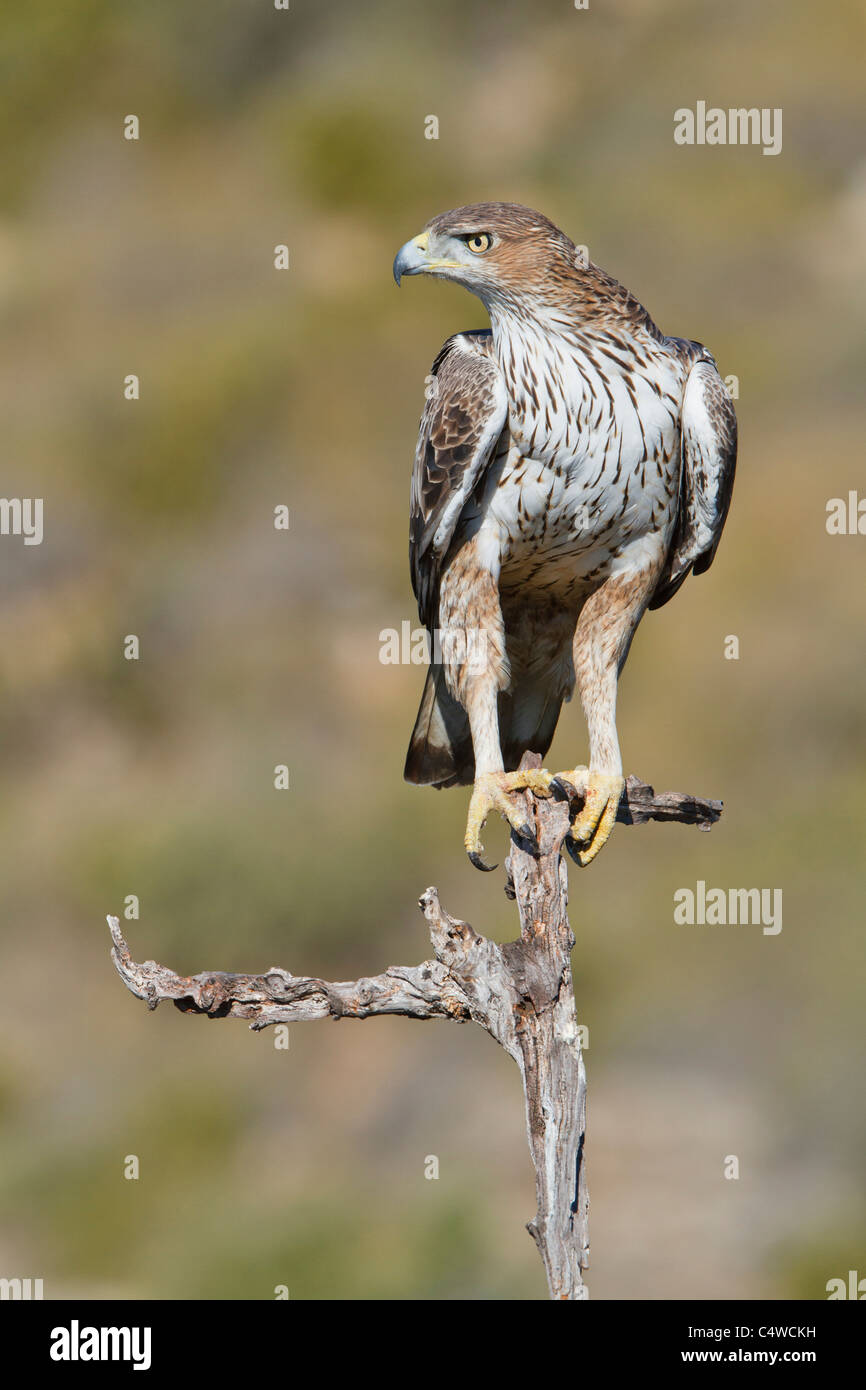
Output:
x=465 y=414
x=709 y=460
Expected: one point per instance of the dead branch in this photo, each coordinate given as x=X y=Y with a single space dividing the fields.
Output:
x=520 y=992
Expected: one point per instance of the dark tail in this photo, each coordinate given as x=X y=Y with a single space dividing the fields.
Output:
x=440 y=749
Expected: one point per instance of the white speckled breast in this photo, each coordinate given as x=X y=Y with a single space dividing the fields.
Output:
x=602 y=488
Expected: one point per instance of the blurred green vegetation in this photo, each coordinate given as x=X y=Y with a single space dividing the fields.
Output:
x=259 y=647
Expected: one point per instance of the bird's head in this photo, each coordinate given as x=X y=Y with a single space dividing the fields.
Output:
x=499 y=251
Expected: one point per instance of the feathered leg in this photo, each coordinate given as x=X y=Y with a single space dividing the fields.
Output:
x=602 y=638
x=474 y=659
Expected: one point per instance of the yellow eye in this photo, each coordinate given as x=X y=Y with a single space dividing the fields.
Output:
x=479 y=243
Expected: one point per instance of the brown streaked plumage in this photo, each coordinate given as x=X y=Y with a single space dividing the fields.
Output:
x=573 y=466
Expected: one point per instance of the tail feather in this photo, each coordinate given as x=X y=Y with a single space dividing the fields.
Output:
x=440 y=749
x=527 y=722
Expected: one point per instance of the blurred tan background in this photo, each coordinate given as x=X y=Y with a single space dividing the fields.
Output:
x=306 y=1168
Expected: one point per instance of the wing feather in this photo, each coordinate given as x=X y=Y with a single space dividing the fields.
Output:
x=465 y=414
x=709 y=458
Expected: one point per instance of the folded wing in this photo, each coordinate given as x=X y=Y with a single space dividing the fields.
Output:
x=464 y=416
x=709 y=457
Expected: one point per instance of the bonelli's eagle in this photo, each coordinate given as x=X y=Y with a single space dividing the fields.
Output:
x=573 y=466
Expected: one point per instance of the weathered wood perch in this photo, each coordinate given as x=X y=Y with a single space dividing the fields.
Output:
x=520 y=992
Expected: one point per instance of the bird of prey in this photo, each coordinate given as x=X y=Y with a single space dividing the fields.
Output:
x=573 y=466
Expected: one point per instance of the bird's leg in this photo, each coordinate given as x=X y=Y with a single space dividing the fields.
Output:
x=601 y=641
x=472 y=633
x=492 y=783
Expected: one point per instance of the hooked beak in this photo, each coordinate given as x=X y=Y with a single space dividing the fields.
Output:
x=412 y=259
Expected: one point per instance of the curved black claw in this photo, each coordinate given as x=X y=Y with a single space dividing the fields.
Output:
x=574 y=849
x=564 y=788
x=479 y=862
x=527 y=833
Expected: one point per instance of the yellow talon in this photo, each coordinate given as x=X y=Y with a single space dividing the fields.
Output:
x=591 y=829
x=491 y=793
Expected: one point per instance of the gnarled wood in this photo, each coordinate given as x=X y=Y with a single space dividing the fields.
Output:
x=521 y=993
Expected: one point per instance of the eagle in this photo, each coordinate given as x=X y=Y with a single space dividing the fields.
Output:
x=574 y=465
